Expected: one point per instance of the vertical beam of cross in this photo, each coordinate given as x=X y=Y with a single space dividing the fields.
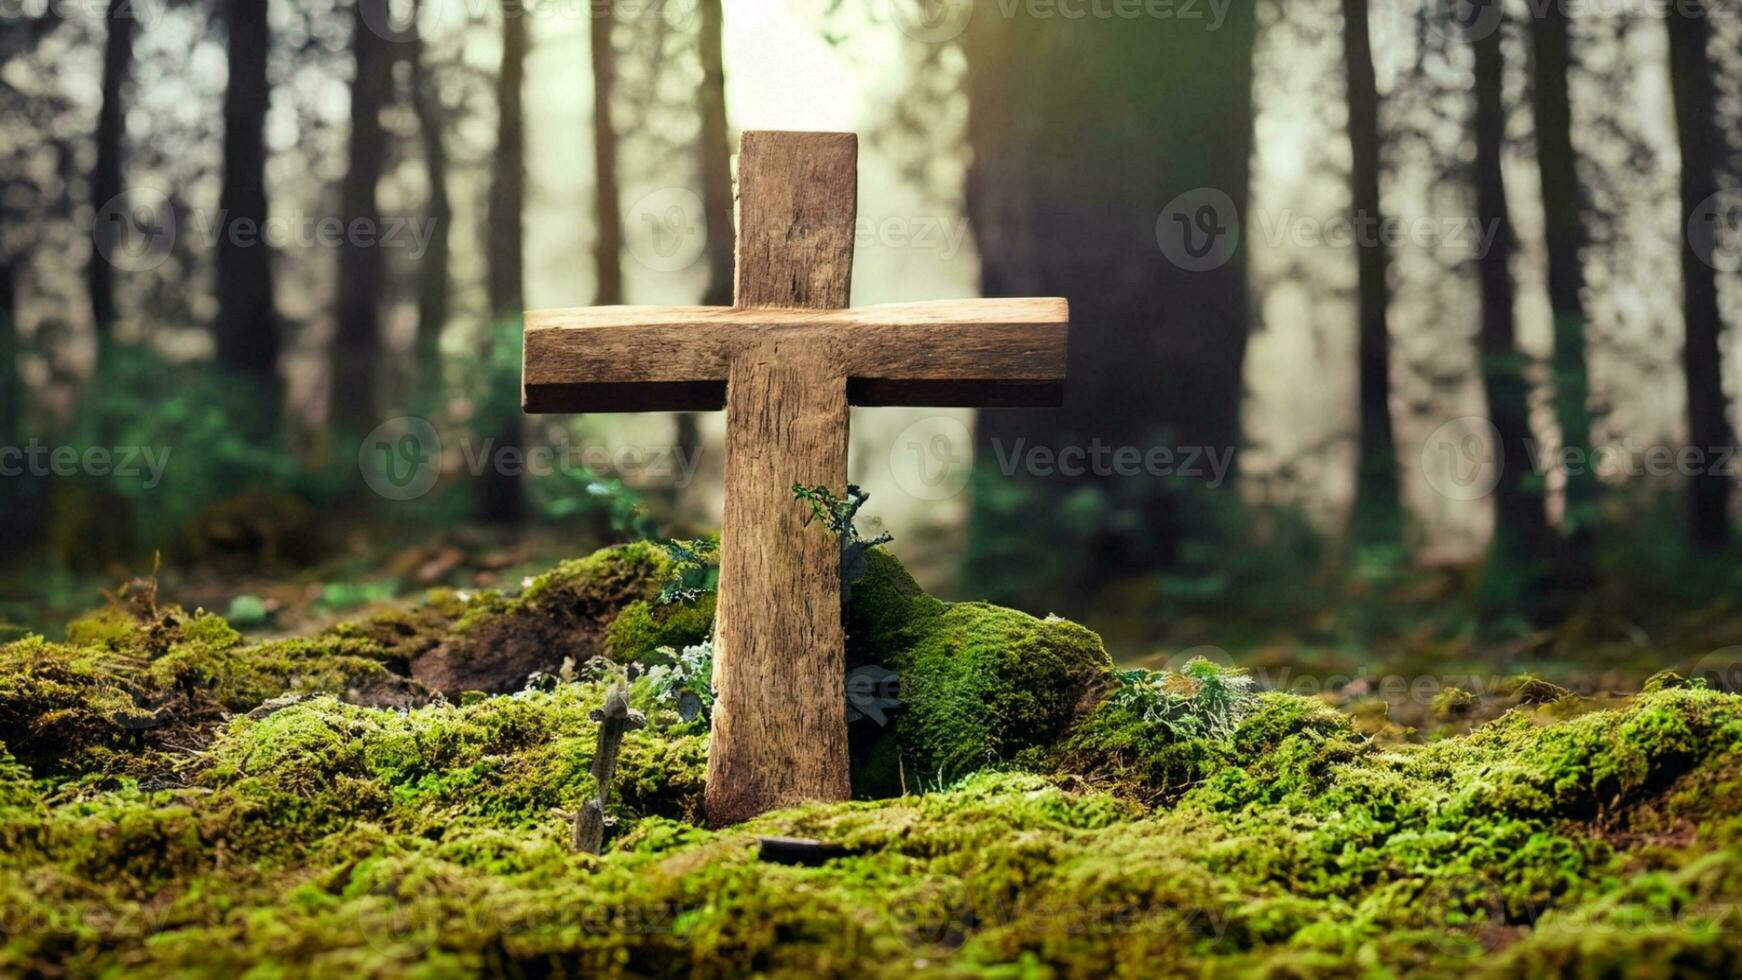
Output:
x=785 y=361
x=780 y=726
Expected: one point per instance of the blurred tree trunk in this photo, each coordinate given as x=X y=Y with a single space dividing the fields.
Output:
x=1564 y=227
x=1691 y=82
x=499 y=501
x=716 y=163
x=1378 y=510
x=106 y=177
x=357 y=342
x=608 y=208
x=1521 y=532
x=1083 y=133
x=433 y=270
x=246 y=330
x=716 y=171
x=11 y=379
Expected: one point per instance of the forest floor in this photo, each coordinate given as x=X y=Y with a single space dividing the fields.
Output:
x=382 y=797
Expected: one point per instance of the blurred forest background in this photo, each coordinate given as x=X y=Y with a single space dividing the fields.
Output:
x=1414 y=311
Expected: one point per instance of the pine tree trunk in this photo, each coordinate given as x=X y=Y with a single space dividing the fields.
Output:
x=1378 y=511
x=433 y=275
x=499 y=500
x=608 y=207
x=246 y=331
x=1709 y=428
x=1066 y=182
x=1520 y=521
x=357 y=342
x=11 y=380
x=1564 y=226
x=716 y=171
x=716 y=159
x=106 y=177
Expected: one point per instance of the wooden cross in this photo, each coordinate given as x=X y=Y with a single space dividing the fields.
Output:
x=785 y=361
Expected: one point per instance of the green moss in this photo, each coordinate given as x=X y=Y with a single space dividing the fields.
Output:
x=982 y=683
x=1168 y=824
x=17 y=786
x=328 y=838
x=636 y=568
x=401 y=633
x=130 y=685
x=62 y=702
x=889 y=611
x=1453 y=702
x=646 y=625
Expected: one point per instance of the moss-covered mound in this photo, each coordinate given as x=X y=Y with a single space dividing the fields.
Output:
x=979 y=684
x=120 y=684
x=600 y=605
x=1086 y=822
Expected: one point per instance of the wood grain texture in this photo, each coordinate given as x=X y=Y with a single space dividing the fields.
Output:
x=785 y=361
x=798 y=195
x=779 y=730
x=988 y=352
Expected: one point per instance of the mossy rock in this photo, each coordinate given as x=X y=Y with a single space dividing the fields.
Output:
x=646 y=625
x=499 y=642
x=122 y=684
x=980 y=684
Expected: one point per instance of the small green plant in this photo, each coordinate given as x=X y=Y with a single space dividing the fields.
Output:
x=1200 y=699
x=685 y=680
x=695 y=569
x=838 y=514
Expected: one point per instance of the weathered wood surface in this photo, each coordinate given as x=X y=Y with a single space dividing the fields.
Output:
x=785 y=362
x=780 y=716
x=988 y=352
x=798 y=197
